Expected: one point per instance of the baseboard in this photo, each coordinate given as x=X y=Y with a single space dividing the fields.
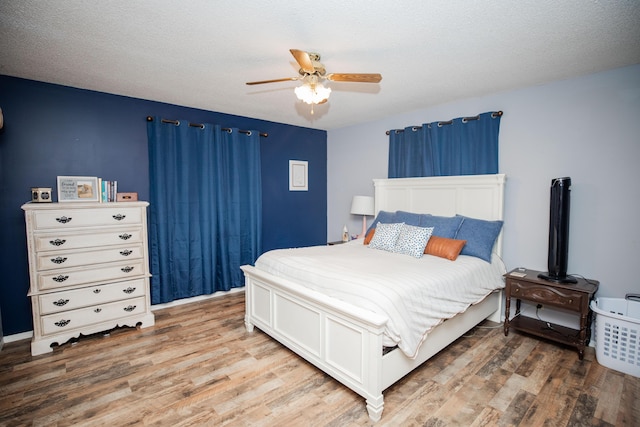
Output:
x=18 y=337
x=195 y=299
x=29 y=334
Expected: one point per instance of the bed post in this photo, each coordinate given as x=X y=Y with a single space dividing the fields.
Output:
x=375 y=408
x=248 y=298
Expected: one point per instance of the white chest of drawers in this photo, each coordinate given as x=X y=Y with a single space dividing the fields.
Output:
x=88 y=269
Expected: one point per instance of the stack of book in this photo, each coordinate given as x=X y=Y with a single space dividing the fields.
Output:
x=108 y=190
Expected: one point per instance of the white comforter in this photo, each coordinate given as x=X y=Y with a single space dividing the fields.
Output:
x=414 y=294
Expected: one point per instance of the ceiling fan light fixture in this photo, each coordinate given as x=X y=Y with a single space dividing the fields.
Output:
x=313 y=93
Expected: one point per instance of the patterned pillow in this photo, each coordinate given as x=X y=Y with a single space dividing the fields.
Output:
x=385 y=236
x=412 y=240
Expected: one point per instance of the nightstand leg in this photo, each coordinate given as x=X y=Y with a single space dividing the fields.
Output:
x=582 y=338
x=507 y=310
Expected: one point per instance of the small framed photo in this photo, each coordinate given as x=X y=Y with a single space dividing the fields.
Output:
x=78 y=189
x=298 y=175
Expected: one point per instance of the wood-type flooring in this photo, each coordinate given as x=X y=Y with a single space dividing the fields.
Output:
x=199 y=367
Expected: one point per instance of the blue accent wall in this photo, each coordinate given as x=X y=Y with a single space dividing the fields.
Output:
x=53 y=130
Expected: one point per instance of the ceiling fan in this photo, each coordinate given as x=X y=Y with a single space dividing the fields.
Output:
x=312 y=72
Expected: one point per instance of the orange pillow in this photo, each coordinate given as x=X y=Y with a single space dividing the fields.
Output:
x=369 y=236
x=444 y=248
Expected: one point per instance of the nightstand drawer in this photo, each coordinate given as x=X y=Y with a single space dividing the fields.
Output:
x=547 y=295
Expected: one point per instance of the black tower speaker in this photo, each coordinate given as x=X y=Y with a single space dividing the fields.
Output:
x=559 y=232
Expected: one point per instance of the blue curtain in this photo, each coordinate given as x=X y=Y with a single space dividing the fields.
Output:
x=205 y=207
x=462 y=146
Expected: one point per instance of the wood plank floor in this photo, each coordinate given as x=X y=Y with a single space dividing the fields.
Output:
x=198 y=366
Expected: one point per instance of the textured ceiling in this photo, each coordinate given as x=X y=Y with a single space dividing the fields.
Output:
x=200 y=53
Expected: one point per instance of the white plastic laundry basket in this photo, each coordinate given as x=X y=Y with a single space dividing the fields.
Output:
x=618 y=333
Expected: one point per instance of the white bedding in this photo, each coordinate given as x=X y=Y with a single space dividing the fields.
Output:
x=414 y=294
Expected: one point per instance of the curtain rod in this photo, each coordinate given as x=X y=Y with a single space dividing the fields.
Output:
x=201 y=126
x=464 y=120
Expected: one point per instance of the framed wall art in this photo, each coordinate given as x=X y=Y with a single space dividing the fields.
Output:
x=78 y=189
x=298 y=175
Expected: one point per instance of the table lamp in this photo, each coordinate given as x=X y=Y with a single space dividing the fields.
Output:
x=362 y=205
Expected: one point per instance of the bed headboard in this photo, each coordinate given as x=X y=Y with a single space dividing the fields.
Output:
x=478 y=196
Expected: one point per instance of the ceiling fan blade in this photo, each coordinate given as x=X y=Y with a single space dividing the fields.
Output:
x=304 y=60
x=286 y=79
x=353 y=77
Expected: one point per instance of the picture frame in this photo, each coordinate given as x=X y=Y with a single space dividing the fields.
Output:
x=78 y=189
x=298 y=175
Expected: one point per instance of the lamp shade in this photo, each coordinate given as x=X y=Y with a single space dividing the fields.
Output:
x=362 y=205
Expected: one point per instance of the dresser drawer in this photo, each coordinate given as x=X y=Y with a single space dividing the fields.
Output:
x=49 y=242
x=73 y=319
x=72 y=218
x=99 y=273
x=65 y=259
x=546 y=295
x=84 y=297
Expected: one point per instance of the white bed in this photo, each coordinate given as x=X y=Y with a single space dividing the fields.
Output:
x=345 y=340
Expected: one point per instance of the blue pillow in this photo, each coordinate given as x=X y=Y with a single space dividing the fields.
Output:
x=408 y=218
x=443 y=226
x=480 y=235
x=383 y=216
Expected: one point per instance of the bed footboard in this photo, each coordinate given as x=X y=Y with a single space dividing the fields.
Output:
x=341 y=340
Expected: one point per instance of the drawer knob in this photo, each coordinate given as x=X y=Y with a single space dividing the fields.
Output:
x=129 y=308
x=97 y=291
x=516 y=290
x=125 y=236
x=60 y=302
x=60 y=278
x=57 y=242
x=58 y=260
x=62 y=323
x=129 y=290
x=97 y=310
x=127 y=269
x=126 y=252
x=64 y=219
x=119 y=217
x=570 y=300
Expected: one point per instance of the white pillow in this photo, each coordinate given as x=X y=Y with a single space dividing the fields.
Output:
x=412 y=240
x=386 y=236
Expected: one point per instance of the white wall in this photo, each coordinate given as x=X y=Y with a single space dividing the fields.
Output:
x=587 y=128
